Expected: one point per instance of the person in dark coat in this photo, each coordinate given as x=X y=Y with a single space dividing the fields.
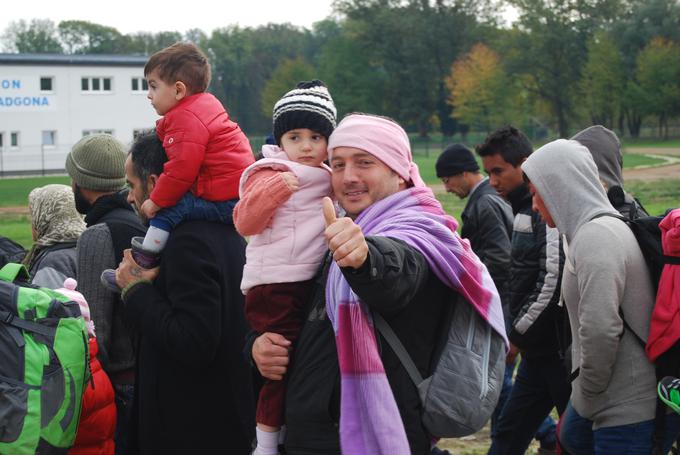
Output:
x=487 y=217
x=193 y=384
x=96 y=165
x=538 y=322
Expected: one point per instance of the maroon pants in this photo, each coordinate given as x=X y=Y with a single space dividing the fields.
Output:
x=277 y=308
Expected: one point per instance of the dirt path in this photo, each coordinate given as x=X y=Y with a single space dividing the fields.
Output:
x=675 y=151
x=653 y=173
x=21 y=210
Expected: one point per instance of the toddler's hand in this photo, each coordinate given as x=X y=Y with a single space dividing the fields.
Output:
x=149 y=209
x=291 y=180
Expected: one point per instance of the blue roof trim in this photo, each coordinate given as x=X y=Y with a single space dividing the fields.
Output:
x=73 y=60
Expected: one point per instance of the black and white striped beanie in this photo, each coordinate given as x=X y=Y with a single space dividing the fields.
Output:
x=309 y=105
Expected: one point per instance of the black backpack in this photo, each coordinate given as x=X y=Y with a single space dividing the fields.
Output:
x=10 y=251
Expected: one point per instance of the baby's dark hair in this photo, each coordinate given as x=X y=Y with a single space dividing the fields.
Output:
x=509 y=142
x=183 y=62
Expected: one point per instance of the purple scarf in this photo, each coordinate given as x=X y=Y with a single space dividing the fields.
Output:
x=369 y=419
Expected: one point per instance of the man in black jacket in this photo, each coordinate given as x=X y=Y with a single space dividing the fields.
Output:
x=538 y=322
x=194 y=392
x=487 y=217
x=96 y=167
x=389 y=275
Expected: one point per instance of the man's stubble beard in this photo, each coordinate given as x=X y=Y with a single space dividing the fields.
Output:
x=83 y=206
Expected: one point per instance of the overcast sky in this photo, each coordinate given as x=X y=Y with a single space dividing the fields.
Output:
x=130 y=16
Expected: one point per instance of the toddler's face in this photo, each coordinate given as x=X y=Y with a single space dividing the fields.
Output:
x=305 y=146
x=163 y=96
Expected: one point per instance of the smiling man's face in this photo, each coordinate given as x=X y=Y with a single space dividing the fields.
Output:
x=360 y=179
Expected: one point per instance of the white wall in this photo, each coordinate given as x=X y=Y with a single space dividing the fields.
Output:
x=66 y=110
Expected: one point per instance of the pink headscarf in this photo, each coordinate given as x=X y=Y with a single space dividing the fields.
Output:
x=380 y=137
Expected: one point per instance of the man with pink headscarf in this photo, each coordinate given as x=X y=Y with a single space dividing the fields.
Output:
x=394 y=253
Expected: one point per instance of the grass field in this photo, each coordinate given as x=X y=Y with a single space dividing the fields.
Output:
x=15 y=191
x=17 y=228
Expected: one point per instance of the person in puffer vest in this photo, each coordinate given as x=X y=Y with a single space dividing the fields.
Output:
x=281 y=209
x=98 y=415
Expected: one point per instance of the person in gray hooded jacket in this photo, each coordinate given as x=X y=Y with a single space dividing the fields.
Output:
x=605 y=148
x=605 y=278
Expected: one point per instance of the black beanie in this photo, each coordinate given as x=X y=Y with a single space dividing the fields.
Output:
x=309 y=105
x=456 y=158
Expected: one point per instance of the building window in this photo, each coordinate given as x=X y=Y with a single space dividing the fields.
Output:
x=139 y=85
x=95 y=84
x=139 y=131
x=49 y=138
x=46 y=84
x=14 y=139
x=88 y=132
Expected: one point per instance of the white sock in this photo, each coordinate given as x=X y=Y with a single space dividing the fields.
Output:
x=155 y=239
x=267 y=442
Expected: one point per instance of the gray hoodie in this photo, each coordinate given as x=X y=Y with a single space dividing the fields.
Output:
x=605 y=148
x=604 y=273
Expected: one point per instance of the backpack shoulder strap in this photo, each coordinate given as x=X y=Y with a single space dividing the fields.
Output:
x=12 y=271
x=613 y=215
x=398 y=348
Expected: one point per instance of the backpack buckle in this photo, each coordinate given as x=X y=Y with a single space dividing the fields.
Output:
x=8 y=317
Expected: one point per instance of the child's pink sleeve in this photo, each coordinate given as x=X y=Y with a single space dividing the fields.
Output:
x=264 y=192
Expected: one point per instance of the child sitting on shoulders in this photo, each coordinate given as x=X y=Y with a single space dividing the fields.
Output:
x=207 y=152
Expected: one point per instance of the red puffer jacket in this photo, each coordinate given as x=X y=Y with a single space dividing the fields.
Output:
x=207 y=152
x=98 y=416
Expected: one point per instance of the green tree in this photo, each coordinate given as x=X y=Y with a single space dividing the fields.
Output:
x=643 y=21
x=83 y=37
x=411 y=45
x=550 y=49
x=284 y=78
x=353 y=81
x=658 y=77
x=147 y=43
x=603 y=81
x=243 y=60
x=36 y=36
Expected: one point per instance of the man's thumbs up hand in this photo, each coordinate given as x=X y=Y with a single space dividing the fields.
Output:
x=345 y=238
x=329 y=211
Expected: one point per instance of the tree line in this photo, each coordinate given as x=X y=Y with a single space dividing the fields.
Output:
x=448 y=66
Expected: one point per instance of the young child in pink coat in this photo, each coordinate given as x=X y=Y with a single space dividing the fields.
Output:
x=281 y=210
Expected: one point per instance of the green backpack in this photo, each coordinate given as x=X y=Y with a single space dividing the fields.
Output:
x=44 y=367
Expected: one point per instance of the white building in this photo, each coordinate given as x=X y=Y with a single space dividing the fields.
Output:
x=49 y=102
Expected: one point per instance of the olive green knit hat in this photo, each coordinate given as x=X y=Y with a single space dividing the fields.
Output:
x=97 y=162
